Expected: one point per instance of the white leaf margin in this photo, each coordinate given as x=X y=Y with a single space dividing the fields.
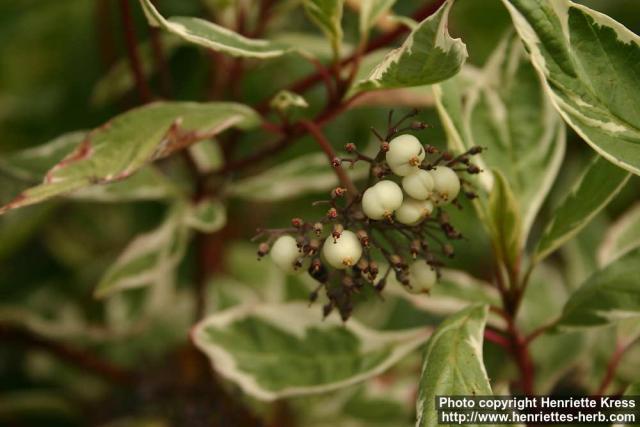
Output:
x=532 y=41
x=156 y=19
x=295 y=318
x=609 y=250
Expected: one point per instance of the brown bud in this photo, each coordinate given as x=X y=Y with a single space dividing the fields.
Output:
x=396 y=261
x=384 y=147
x=317 y=228
x=475 y=150
x=332 y=213
x=473 y=169
x=338 y=229
x=336 y=162
x=313 y=246
x=297 y=222
x=447 y=156
x=350 y=147
x=338 y=192
x=347 y=282
x=263 y=249
x=363 y=237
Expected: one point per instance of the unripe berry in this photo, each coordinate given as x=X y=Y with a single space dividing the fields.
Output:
x=405 y=154
x=413 y=211
x=422 y=277
x=343 y=252
x=419 y=184
x=381 y=200
x=284 y=253
x=447 y=184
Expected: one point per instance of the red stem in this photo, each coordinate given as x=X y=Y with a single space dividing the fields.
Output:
x=613 y=364
x=306 y=83
x=132 y=52
x=497 y=338
x=317 y=134
x=77 y=357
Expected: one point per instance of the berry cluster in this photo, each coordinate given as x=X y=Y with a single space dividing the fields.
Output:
x=403 y=225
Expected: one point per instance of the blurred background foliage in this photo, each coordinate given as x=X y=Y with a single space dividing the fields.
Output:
x=52 y=56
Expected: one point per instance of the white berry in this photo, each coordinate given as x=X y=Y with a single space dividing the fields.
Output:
x=446 y=184
x=418 y=184
x=413 y=211
x=422 y=277
x=284 y=253
x=343 y=252
x=381 y=200
x=405 y=154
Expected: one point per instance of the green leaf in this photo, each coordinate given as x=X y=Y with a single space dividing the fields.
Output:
x=275 y=351
x=608 y=296
x=305 y=174
x=591 y=66
x=454 y=291
x=427 y=56
x=505 y=109
x=206 y=216
x=119 y=148
x=622 y=237
x=149 y=258
x=212 y=36
x=327 y=15
x=370 y=12
x=453 y=362
x=505 y=221
x=286 y=100
x=599 y=184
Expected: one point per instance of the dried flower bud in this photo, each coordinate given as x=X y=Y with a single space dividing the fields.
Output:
x=336 y=162
x=350 y=147
x=327 y=309
x=338 y=192
x=313 y=246
x=263 y=249
x=313 y=296
x=363 y=237
x=297 y=222
x=362 y=265
x=447 y=156
x=318 y=271
x=396 y=261
x=473 y=169
x=338 y=229
x=475 y=150
x=431 y=149
x=373 y=269
x=417 y=125
x=384 y=147
x=317 y=228
x=332 y=213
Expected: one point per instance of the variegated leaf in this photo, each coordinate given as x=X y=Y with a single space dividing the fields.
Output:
x=454 y=291
x=622 y=237
x=608 y=296
x=591 y=66
x=305 y=174
x=599 y=184
x=503 y=108
x=149 y=258
x=327 y=15
x=275 y=351
x=121 y=147
x=371 y=11
x=427 y=56
x=453 y=364
x=206 y=216
x=505 y=222
x=212 y=36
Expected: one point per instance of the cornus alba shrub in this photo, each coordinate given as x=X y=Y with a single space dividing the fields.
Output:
x=389 y=228
x=495 y=251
